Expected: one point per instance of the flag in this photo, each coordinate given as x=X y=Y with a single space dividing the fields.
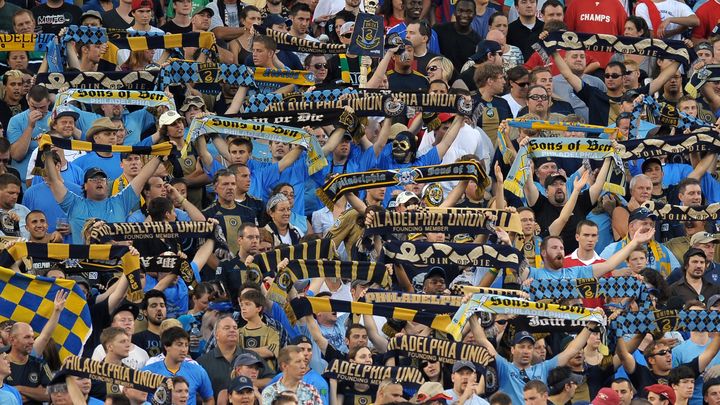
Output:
x=28 y=298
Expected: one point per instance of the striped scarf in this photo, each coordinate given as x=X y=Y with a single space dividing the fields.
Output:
x=124 y=97
x=141 y=80
x=25 y=42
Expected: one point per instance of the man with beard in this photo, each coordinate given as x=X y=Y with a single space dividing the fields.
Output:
x=693 y=286
x=232 y=272
x=412 y=14
x=457 y=39
x=13 y=102
x=548 y=208
x=401 y=152
x=30 y=374
x=154 y=310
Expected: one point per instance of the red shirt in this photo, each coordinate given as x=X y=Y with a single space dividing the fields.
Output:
x=597 y=17
x=572 y=260
x=709 y=15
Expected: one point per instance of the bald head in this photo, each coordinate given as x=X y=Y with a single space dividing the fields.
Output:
x=22 y=338
x=497 y=36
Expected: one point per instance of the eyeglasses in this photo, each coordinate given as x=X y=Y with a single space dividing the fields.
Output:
x=523 y=84
x=612 y=75
x=432 y=68
x=498 y=53
x=96 y=179
x=539 y=97
x=348 y=35
x=320 y=66
x=663 y=352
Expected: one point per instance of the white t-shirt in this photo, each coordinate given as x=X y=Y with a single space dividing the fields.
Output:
x=231 y=16
x=70 y=155
x=668 y=9
x=515 y=107
x=136 y=360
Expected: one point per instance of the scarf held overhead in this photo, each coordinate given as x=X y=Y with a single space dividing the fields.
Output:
x=343 y=183
x=124 y=97
x=665 y=49
x=120 y=231
x=140 y=80
x=614 y=287
x=313 y=250
x=700 y=140
x=357 y=373
x=25 y=42
x=291 y=43
x=461 y=254
x=434 y=350
x=423 y=221
x=666 y=320
x=440 y=304
x=669 y=212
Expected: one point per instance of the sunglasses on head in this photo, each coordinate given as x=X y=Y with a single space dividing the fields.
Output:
x=612 y=75
x=320 y=66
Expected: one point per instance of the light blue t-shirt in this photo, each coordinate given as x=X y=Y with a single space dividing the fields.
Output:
x=686 y=352
x=110 y=165
x=386 y=161
x=512 y=381
x=40 y=197
x=313 y=378
x=176 y=296
x=15 y=129
x=9 y=395
x=138 y=216
x=197 y=378
x=113 y=209
x=135 y=123
x=72 y=174
x=668 y=256
x=562 y=274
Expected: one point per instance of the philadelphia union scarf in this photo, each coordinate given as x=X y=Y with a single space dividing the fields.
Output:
x=61 y=251
x=356 y=373
x=184 y=72
x=665 y=49
x=291 y=43
x=205 y=40
x=307 y=269
x=343 y=183
x=433 y=350
x=443 y=221
x=669 y=212
x=495 y=304
x=659 y=322
x=119 y=374
x=708 y=73
x=304 y=306
x=471 y=289
x=445 y=254
x=613 y=287
x=259 y=102
x=124 y=97
x=139 y=80
x=214 y=124
x=313 y=250
x=25 y=42
x=439 y=304
x=505 y=219
x=160 y=149
x=582 y=148
x=119 y=231
x=700 y=140
x=664 y=114
x=170 y=264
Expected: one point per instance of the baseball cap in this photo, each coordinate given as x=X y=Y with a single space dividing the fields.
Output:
x=703 y=237
x=169 y=117
x=94 y=172
x=431 y=391
x=712 y=301
x=395 y=129
x=99 y=125
x=646 y=163
x=445 y=117
x=606 y=396
x=405 y=197
x=247 y=359
x=434 y=272
x=200 y=9
x=138 y=4
x=555 y=176
x=126 y=306
x=356 y=283
x=522 y=335
x=240 y=383
x=640 y=214
x=80 y=280
x=196 y=101
x=65 y=111
x=347 y=27
x=461 y=364
x=704 y=46
x=300 y=339
x=274 y=19
x=664 y=391
x=539 y=161
x=559 y=377
x=90 y=13
x=483 y=48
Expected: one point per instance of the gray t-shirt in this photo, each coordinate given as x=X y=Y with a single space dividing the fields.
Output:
x=563 y=90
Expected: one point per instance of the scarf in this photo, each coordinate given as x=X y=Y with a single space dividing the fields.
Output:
x=440 y=304
x=296 y=77
x=170 y=264
x=669 y=212
x=356 y=373
x=613 y=287
x=433 y=350
x=313 y=250
x=708 y=73
x=61 y=251
x=120 y=374
x=655 y=254
x=584 y=148
x=505 y=219
x=230 y=126
x=185 y=72
x=389 y=222
x=666 y=115
x=368 y=40
x=700 y=140
x=665 y=49
x=497 y=304
x=661 y=321
x=304 y=306
x=307 y=269
x=291 y=43
x=140 y=81
x=338 y=185
x=125 y=97
x=470 y=289
x=25 y=42
x=259 y=102
x=120 y=231
x=205 y=40
x=461 y=254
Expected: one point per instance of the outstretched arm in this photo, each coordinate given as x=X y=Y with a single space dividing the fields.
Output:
x=450 y=136
x=290 y=158
x=145 y=173
x=383 y=136
x=573 y=80
x=54 y=180
x=618 y=258
x=479 y=335
x=597 y=186
x=47 y=330
x=665 y=74
x=575 y=346
x=559 y=223
x=709 y=353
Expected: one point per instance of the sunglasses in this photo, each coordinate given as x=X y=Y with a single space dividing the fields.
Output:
x=539 y=97
x=432 y=68
x=348 y=35
x=523 y=84
x=320 y=66
x=612 y=75
x=629 y=72
x=663 y=352
x=501 y=321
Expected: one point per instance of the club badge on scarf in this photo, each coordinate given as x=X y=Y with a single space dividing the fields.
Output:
x=185 y=72
x=708 y=73
x=659 y=322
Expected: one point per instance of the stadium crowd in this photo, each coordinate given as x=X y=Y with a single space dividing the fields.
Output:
x=226 y=339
